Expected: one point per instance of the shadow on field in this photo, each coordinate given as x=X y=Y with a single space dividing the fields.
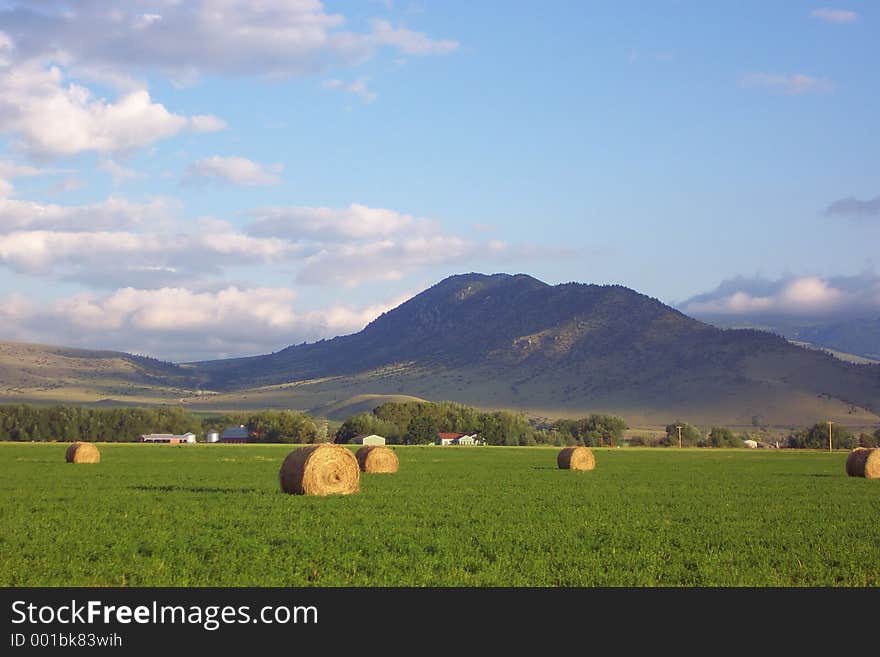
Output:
x=193 y=489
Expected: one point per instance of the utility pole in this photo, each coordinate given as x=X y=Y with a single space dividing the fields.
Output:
x=829 y=435
x=678 y=426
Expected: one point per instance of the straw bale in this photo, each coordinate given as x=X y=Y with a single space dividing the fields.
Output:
x=864 y=462
x=576 y=458
x=322 y=469
x=377 y=458
x=82 y=452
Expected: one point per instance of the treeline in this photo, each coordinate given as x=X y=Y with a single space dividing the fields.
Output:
x=412 y=423
x=271 y=426
x=418 y=423
x=814 y=437
x=21 y=422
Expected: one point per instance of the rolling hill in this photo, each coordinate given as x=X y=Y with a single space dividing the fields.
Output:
x=45 y=373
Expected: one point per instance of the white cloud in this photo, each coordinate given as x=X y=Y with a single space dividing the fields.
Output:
x=356 y=222
x=205 y=123
x=799 y=296
x=358 y=244
x=51 y=120
x=186 y=39
x=111 y=214
x=111 y=258
x=790 y=85
x=853 y=206
x=357 y=88
x=835 y=15
x=408 y=41
x=178 y=324
x=353 y=264
x=234 y=170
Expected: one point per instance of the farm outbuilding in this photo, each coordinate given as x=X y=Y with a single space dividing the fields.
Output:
x=237 y=434
x=171 y=438
x=751 y=444
x=368 y=439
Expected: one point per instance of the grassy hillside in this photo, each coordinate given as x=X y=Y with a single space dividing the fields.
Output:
x=48 y=374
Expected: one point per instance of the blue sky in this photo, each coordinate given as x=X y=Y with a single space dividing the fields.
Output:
x=194 y=180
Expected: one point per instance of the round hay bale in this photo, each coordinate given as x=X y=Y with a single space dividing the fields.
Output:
x=82 y=452
x=864 y=462
x=376 y=458
x=576 y=458
x=322 y=469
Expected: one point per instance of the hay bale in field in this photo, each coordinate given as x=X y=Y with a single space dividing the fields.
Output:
x=82 y=452
x=376 y=458
x=322 y=469
x=864 y=462
x=576 y=458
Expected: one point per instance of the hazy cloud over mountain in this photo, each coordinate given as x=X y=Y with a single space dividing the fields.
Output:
x=805 y=296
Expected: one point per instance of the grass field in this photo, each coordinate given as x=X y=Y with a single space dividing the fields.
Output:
x=213 y=515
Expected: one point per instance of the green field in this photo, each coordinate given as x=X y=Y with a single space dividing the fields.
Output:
x=214 y=515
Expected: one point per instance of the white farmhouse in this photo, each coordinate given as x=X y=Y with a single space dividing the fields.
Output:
x=448 y=438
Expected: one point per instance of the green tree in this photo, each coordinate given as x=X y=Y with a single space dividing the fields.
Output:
x=869 y=439
x=421 y=430
x=816 y=437
x=690 y=435
x=722 y=437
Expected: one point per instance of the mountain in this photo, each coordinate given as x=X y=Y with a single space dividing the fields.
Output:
x=513 y=341
x=492 y=341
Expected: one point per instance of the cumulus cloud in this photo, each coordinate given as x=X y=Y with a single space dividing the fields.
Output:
x=117 y=242
x=233 y=170
x=385 y=260
x=793 y=296
x=790 y=85
x=113 y=213
x=834 y=15
x=178 y=324
x=186 y=39
x=353 y=245
x=50 y=119
x=854 y=207
x=356 y=222
x=79 y=255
